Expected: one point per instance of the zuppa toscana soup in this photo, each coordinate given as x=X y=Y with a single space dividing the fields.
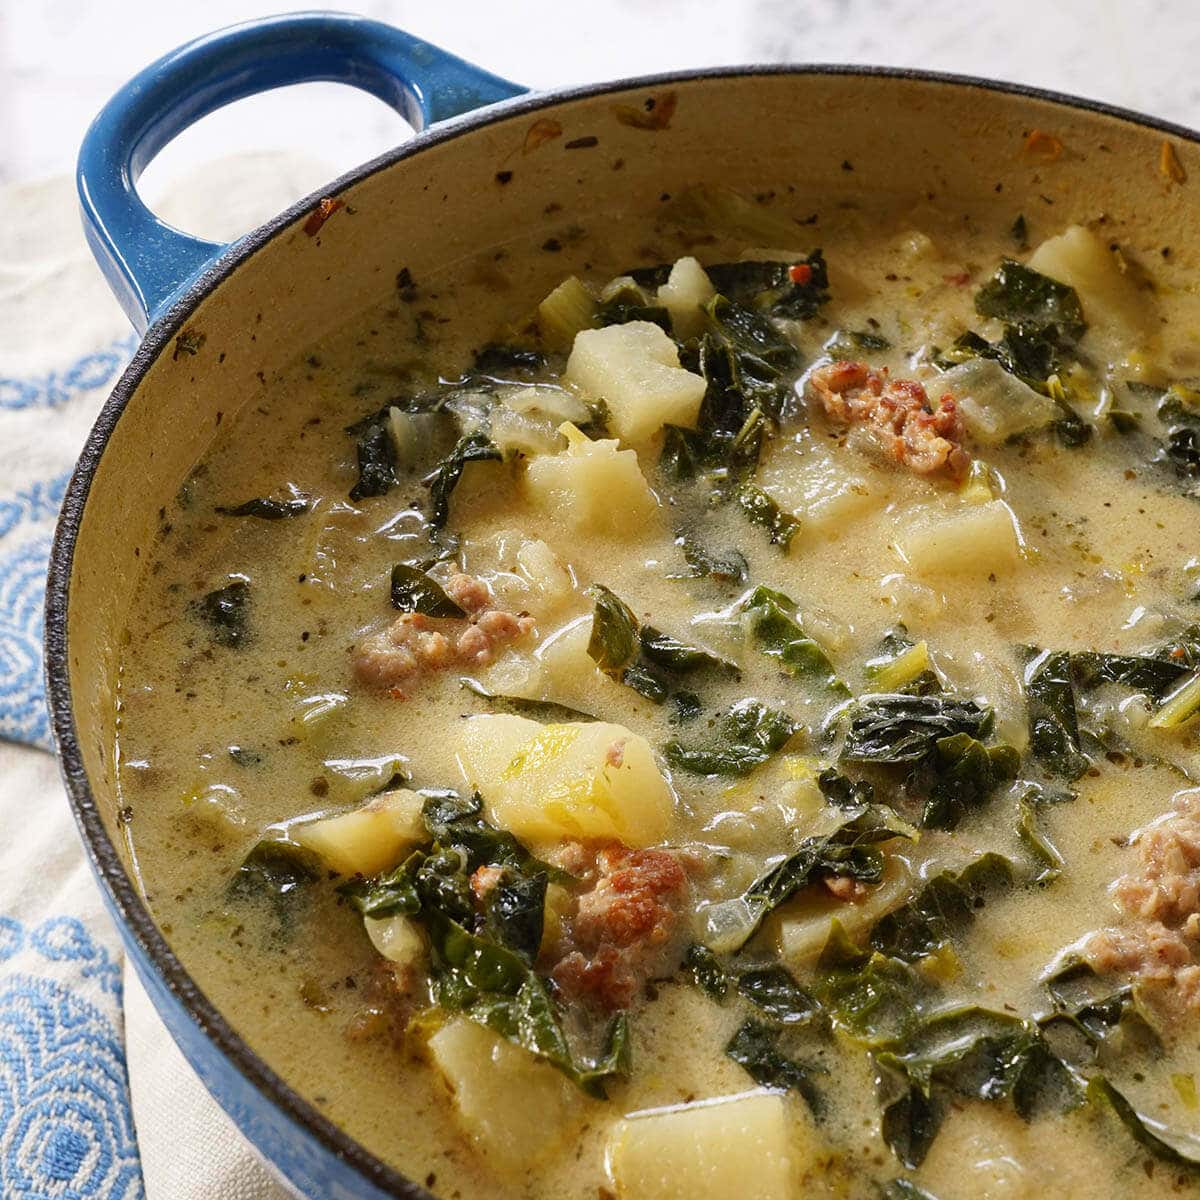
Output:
x=727 y=729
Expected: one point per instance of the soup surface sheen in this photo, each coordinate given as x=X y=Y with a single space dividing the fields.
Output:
x=726 y=731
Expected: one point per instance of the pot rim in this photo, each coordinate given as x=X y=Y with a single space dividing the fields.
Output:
x=101 y=850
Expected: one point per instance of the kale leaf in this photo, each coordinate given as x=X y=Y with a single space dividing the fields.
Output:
x=776 y=993
x=743 y=737
x=771 y=619
x=725 y=566
x=1178 y=1149
x=1018 y=294
x=265 y=508
x=755 y=1048
x=278 y=871
x=896 y=728
x=761 y=510
x=523 y=706
x=1052 y=715
x=376 y=456
x=473 y=447
x=226 y=612
x=706 y=971
x=613 y=644
x=414 y=591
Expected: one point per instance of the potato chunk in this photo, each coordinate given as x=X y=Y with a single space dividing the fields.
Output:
x=369 y=839
x=634 y=368
x=514 y=1108
x=1079 y=258
x=573 y=780
x=746 y=1145
x=807 y=480
x=687 y=288
x=592 y=487
x=976 y=539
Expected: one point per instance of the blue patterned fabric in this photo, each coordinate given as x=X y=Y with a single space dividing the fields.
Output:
x=66 y=1129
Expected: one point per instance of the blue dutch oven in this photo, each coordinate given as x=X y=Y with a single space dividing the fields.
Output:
x=488 y=161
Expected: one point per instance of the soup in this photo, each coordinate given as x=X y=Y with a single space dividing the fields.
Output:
x=725 y=729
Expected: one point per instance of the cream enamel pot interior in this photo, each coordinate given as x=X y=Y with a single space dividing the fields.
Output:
x=819 y=136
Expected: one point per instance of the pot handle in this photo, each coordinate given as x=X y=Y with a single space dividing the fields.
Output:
x=147 y=262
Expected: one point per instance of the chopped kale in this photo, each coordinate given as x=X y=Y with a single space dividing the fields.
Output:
x=226 y=612
x=943 y=907
x=1177 y=1148
x=761 y=510
x=279 y=872
x=742 y=738
x=675 y=656
x=706 y=971
x=1020 y=295
x=414 y=591
x=958 y=776
x=265 y=508
x=1052 y=715
x=613 y=644
x=854 y=343
x=376 y=456
x=771 y=620
x=515 y=912
x=776 y=993
x=473 y=447
x=523 y=706
x=842 y=791
x=725 y=566
x=1041 y=849
x=896 y=728
x=755 y=1048
x=501 y=361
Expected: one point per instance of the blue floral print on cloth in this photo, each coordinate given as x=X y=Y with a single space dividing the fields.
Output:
x=66 y=1124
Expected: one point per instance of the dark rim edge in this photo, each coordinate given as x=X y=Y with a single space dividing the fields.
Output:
x=100 y=848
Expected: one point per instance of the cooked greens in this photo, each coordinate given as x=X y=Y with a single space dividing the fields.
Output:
x=414 y=591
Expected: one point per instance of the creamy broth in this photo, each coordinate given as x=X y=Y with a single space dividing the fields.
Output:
x=252 y=708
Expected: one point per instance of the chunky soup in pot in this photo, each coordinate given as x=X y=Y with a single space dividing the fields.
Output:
x=727 y=729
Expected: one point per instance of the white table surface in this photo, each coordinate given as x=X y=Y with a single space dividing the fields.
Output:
x=61 y=59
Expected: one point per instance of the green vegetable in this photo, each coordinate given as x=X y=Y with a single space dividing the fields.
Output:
x=872 y=999
x=763 y=285
x=499 y=361
x=905 y=1189
x=1052 y=715
x=850 y=850
x=853 y=343
x=1020 y=295
x=1180 y=706
x=522 y=706
x=1179 y=1149
x=515 y=912
x=727 y=566
x=474 y=447
x=943 y=907
x=267 y=509
x=902 y=665
x=278 y=871
x=844 y=792
x=776 y=993
x=1094 y=1005
x=1153 y=675
x=706 y=971
x=743 y=738
x=376 y=457
x=613 y=644
x=909 y=1124
x=895 y=728
x=631 y=304
x=414 y=591
x=962 y=773
x=761 y=510
x=673 y=655
x=226 y=612
x=1041 y=848
x=771 y=619
x=754 y=1047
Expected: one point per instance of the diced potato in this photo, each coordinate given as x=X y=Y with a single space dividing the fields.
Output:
x=806 y=480
x=687 y=288
x=993 y=403
x=369 y=839
x=592 y=487
x=515 y=1108
x=398 y=938
x=634 y=368
x=754 y=1145
x=546 y=572
x=801 y=927
x=573 y=780
x=976 y=539
x=1081 y=259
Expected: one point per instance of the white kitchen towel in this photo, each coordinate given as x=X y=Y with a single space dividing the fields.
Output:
x=67 y=1127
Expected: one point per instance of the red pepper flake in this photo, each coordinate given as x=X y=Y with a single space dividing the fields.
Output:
x=959 y=278
x=656 y=112
x=1043 y=146
x=800 y=273
x=540 y=132
x=325 y=209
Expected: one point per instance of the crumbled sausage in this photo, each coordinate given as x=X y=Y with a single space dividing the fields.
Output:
x=1159 y=942
x=843 y=887
x=623 y=926
x=898 y=414
x=414 y=645
x=484 y=880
